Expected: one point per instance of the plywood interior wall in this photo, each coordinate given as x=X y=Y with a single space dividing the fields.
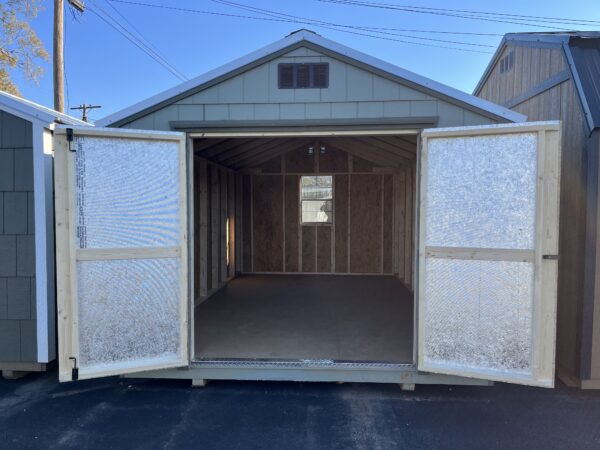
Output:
x=372 y=230
x=216 y=204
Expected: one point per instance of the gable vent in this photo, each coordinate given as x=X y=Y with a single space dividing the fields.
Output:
x=286 y=76
x=303 y=76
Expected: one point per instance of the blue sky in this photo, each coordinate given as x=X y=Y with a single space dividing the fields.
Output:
x=104 y=68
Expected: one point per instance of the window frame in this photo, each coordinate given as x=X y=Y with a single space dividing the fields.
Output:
x=301 y=201
x=311 y=76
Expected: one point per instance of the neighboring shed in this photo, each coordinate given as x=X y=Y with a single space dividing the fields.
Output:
x=27 y=279
x=557 y=76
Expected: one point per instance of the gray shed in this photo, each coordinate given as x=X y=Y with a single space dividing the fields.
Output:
x=309 y=212
x=27 y=280
x=556 y=76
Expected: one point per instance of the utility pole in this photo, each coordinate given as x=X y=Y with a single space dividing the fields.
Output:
x=84 y=110
x=58 y=66
x=58 y=61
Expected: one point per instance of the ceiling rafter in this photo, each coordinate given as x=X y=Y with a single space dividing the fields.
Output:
x=272 y=152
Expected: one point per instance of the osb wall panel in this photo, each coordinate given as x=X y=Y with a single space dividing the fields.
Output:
x=198 y=173
x=215 y=232
x=333 y=161
x=365 y=223
x=309 y=242
x=372 y=214
x=361 y=165
x=267 y=217
x=341 y=223
x=299 y=161
x=388 y=223
x=292 y=186
x=271 y=166
x=247 y=223
x=214 y=203
x=324 y=240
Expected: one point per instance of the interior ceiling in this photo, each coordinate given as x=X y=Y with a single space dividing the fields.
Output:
x=246 y=153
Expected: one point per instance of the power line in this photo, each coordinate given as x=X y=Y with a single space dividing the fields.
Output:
x=352 y=27
x=455 y=13
x=562 y=20
x=297 y=21
x=141 y=36
x=134 y=40
x=145 y=44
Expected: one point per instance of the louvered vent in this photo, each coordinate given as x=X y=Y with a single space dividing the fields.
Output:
x=286 y=76
x=303 y=76
x=321 y=75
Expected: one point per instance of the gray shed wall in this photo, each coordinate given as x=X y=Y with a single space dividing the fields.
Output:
x=353 y=93
x=18 y=340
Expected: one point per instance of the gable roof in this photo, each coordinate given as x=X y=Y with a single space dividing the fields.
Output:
x=312 y=40
x=582 y=51
x=32 y=111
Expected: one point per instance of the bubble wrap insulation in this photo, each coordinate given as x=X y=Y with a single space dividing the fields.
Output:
x=480 y=193
x=127 y=196
x=128 y=310
x=478 y=314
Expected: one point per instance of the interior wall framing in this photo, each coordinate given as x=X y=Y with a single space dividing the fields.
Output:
x=217 y=209
x=372 y=224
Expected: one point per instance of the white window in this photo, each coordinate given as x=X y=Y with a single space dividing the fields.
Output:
x=316 y=199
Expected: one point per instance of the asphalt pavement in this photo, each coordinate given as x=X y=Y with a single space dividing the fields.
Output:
x=38 y=412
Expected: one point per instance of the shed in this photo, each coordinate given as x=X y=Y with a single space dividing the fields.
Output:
x=27 y=280
x=309 y=212
x=555 y=76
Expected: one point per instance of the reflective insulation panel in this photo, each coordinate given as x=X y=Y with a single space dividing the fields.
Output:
x=128 y=310
x=478 y=314
x=127 y=192
x=481 y=191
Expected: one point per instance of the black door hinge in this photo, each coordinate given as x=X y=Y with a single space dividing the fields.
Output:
x=70 y=139
x=74 y=370
x=554 y=257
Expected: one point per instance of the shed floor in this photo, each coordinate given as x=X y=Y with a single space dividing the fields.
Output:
x=346 y=318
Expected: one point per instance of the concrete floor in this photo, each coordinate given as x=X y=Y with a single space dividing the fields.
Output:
x=345 y=318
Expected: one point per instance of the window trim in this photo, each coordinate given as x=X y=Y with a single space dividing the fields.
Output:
x=310 y=75
x=300 y=201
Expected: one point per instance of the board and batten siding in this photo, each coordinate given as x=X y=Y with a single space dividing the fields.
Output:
x=532 y=66
x=353 y=93
x=534 y=69
x=18 y=340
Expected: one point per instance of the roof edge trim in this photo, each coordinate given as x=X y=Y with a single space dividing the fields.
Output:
x=298 y=39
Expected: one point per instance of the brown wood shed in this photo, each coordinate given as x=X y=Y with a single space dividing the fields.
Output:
x=550 y=76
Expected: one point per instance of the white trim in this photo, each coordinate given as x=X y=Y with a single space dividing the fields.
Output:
x=321 y=133
x=310 y=37
x=34 y=112
x=44 y=243
x=125 y=133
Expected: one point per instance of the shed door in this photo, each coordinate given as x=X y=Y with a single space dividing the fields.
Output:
x=121 y=248
x=488 y=245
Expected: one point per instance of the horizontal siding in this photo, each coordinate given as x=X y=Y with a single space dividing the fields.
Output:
x=18 y=339
x=353 y=93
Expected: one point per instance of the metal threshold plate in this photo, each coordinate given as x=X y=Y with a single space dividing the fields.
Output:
x=300 y=364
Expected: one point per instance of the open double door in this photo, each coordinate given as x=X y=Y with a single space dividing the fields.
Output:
x=487 y=251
